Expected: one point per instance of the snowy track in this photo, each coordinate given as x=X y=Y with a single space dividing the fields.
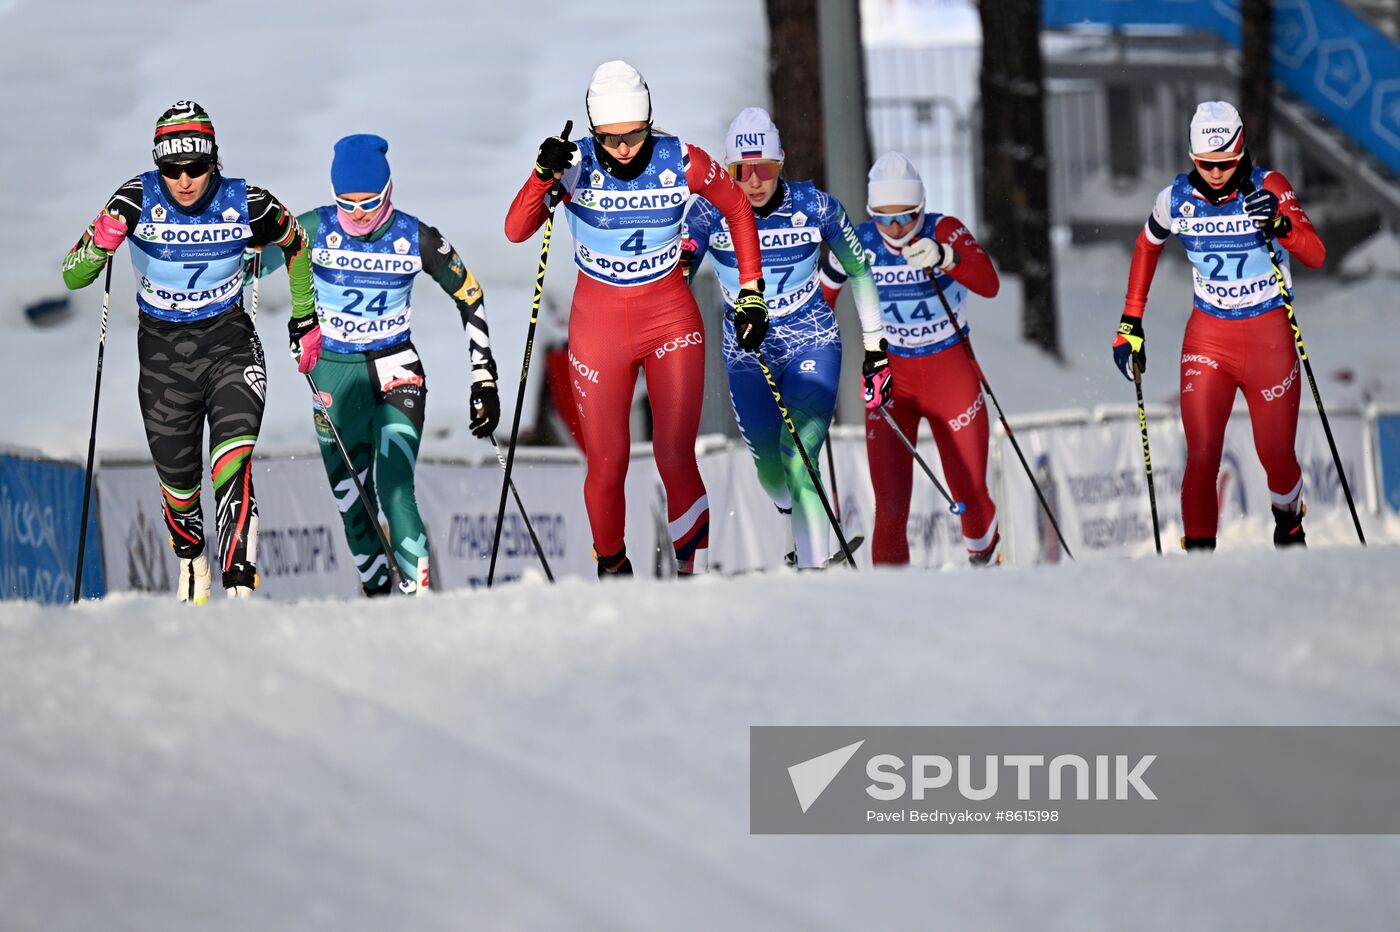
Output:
x=578 y=756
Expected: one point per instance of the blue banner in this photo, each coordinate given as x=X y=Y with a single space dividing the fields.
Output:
x=40 y=509
x=1333 y=59
x=1388 y=449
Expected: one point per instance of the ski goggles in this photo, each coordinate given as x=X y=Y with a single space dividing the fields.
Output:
x=368 y=205
x=612 y=140
x=173 y=170
x=1225 y=165
x=889 y=220
x=762 y=169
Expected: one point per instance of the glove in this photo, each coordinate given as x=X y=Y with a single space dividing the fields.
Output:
x=875 y=373
x=688 y=250
x=928 y=253
x=486 y=409
x=554 y=158
x=750 y=320
x=1261 y=205
x=108 y=231
x=305 y=335
x=1129 y=346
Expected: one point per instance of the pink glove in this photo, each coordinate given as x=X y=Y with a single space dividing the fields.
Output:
x=108 y=231
x=306 y=342
x=875 y=374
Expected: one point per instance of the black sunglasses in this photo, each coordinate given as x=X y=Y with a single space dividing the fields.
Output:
x=613 y=140
x=173 y=170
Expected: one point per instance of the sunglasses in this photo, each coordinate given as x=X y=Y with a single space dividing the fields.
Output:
x=1223 y=164
x=761 y=169
x=613 y=140
x=368 y=205
x=173 y=170
x=889 y=220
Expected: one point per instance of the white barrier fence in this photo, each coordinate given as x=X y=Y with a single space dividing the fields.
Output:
x=1090 y=465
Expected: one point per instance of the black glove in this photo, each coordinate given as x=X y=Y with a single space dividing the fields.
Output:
x=1130 y=345
x=1261 y=205
x=750 y=320
x=486 y=409
x=555 y=155
x=875 y=373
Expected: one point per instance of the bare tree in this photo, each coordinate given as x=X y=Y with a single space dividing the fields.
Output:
x=1015 y=176
x=795 y=81
x=1256 y=81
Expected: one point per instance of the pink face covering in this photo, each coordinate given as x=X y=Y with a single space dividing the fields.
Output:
x=372 y=222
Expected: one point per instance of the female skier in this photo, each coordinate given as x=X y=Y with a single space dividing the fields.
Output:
x=910 y=248
x=1238 y=337
x=365 y=254
x=200 y=357
x=625 y=186
x=803 y=345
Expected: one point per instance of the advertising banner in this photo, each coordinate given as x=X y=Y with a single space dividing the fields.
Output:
x=41 y=503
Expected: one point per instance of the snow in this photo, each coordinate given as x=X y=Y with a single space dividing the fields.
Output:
x=576 y=756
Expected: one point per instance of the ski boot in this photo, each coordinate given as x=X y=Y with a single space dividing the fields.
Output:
x=615 y=565
x=194 y=580
x=988 y=557
x=1288 y=527
x=1203 y=544
x=374 y=592
x=240 y=580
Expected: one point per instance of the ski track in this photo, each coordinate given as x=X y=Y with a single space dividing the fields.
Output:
x=577 y=755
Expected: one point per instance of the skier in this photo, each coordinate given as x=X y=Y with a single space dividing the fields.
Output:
x=200 y=357
x=365 y=254
x=1238 y=336
x=803 y=345
x=934 y=376
x=626 y=185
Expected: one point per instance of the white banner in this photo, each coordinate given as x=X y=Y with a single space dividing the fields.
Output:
x=1093 y=477
x=1091 y=471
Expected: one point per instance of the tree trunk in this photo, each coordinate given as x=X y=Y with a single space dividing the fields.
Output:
x=1256 y=81
x=1016 y=181
x=795 y=82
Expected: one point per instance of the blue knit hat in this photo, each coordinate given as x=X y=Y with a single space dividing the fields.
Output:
x=360 y=166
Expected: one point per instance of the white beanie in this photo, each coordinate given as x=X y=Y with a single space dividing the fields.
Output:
x=752 y=135
x=894 y=182
x=1216 y=127
x=617 y=94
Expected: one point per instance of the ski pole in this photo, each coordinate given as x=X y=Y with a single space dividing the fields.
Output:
x=806 y=461
x=1010 y=435
x=92 y=435
x=831 y=468
x=554 y=195
x=534 y=539
x=955 y=507
x=371 y=509
x=1284 y=292
x=1147 y=457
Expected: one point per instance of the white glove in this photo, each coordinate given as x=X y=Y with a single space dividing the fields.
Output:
x=929 y=253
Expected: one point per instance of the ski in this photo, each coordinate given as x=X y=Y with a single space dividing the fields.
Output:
x=838 y=557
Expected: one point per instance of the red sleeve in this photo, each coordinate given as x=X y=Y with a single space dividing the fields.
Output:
x=708 y=179
x=974 y=267
x=528 y=210
x=1302 y=242
x=1144 y=266
x=830 y=294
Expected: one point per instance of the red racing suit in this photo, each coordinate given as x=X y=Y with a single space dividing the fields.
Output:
x=1238 y=337
x=617 y=328
x=935 y=378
